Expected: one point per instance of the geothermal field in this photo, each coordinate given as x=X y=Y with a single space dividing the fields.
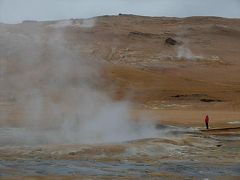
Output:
x=120 y=97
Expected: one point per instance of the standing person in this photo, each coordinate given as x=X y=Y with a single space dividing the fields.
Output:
x=207 y=121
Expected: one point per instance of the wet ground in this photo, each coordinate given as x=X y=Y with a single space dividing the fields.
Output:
x=124 y=169
x=179 y=153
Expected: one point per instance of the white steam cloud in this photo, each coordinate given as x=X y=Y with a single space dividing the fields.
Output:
x=55 y=89
x=185 y=53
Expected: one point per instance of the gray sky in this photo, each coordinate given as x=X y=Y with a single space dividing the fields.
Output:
x=14 y=11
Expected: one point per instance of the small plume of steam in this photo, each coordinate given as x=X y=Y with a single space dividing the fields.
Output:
x=88 y=23
x=185 y=53
x=84 y=23
x=61 y=24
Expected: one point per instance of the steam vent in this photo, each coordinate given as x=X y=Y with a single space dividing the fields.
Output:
x=119 y=89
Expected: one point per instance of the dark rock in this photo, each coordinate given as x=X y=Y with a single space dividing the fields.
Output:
x=72 y=153
x=145 y=35
x=199 y=97
x=161 y=126
x=171 y=41
x=210 y=100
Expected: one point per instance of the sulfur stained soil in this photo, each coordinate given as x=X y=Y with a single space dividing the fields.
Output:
x=163 y=82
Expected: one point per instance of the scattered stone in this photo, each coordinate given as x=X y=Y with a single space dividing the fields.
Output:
x=39 y=149
x=210 y=100
x=161 y=126
x=201 y=97
x=171 y=41
x=143 y=34
x=72 y=153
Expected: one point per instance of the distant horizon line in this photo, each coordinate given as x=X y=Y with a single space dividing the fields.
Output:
x=120 y=14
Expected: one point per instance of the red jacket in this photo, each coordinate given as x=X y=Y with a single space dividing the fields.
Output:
x=207 y=119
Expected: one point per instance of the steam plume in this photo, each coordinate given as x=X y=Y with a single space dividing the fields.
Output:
x=56 y=90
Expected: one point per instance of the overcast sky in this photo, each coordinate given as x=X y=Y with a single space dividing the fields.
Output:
x=14 y=11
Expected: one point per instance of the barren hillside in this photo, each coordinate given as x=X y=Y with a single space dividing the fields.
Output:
x=178 y=67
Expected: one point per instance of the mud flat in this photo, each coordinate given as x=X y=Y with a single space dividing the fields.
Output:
x=180 y=153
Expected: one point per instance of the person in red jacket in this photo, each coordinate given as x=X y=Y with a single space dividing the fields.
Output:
x=207 y=121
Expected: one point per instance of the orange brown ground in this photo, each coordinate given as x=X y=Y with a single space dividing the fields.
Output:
x=143 y=68
x=137 y=65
